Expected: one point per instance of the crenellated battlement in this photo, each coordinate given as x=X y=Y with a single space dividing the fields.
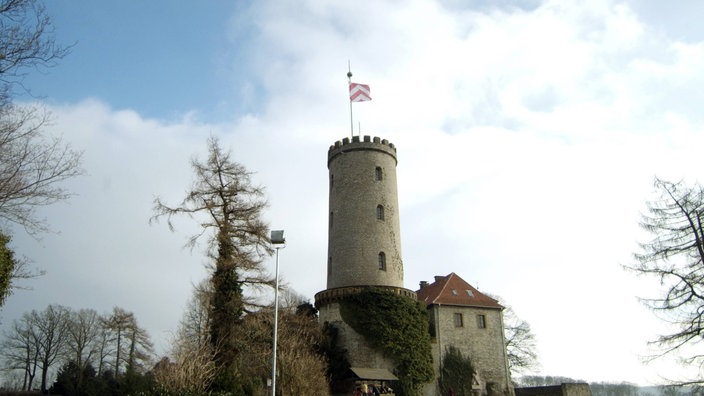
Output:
x=365 y=143
x=367 y=139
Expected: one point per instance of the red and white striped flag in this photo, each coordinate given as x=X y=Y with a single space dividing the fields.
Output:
x=359 y=92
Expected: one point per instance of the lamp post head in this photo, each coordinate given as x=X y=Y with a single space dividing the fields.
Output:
x=277 y=237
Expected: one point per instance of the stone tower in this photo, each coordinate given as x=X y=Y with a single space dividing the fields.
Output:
x=364 y=241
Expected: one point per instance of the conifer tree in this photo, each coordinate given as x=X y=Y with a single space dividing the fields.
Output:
x=229 y=208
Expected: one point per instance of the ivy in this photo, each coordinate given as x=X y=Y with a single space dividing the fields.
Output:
x=8 y=264
x=338 y=363
x=455 y=373
x=398 y=326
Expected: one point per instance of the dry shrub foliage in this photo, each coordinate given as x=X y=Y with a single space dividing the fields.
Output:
x=301 y=368
x=398 y=326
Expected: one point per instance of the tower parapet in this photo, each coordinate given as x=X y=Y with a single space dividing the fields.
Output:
x=368 y=143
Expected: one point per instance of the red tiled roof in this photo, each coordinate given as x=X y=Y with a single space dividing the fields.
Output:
x=453 y=290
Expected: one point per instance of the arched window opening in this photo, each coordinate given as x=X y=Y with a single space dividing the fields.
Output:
x=380 y=212
x=379 y=174
x=382 y=261
x=332 y=181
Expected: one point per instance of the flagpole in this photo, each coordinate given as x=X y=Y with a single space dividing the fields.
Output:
x=349 y=82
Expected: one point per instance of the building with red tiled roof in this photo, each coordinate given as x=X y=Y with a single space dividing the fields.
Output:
x=463 y=317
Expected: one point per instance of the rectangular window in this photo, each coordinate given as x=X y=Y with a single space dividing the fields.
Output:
x=379 y=173
x=481 y=321
x=382 y=261
x=458 y=320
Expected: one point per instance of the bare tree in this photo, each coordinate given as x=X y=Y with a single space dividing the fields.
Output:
x=117 y=323
x=21 y=348
x=520 y=342
x=104 y=347
x=32 y=166
x=36 y=341
x=131 y=344
x=194 y=326
x=52 y=328
x=229 y=208
x=675 y=256
x=83 y=337
x=26 y=42
x=40 y=340
x=140 y=347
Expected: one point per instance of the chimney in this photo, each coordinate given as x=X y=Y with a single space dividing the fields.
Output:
x=423 y=284
x=438 y=278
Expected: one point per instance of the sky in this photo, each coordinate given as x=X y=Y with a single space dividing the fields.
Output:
x=529 y=134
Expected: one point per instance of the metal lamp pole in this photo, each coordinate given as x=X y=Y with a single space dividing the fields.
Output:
x=277 y=239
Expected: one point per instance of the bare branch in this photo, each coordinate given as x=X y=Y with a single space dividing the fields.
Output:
x=32 y=167
x=675 y=256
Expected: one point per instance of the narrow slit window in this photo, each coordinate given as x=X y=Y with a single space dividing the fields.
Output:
x=458 y=320
x=330 y=219
x=378 y=174
x=382 y=261
x=380 y=212
x=481 y=321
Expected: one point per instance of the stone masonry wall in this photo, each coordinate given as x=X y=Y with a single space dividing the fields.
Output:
x=359 y=353
x=485 y=346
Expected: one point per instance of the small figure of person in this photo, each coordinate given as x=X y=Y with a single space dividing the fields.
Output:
x=452 y=392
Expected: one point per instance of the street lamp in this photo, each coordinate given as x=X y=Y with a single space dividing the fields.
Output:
x=278 y=240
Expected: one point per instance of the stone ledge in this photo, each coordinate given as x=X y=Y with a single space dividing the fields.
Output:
x=329 y=296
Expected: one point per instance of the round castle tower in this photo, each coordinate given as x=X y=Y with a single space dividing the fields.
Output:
x=364 y=243
x=364 y=239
